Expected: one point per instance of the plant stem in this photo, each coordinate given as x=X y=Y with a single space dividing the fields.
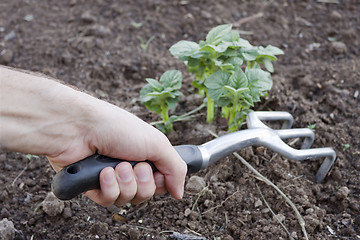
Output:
x=210 y=108
x=165 y=116
x=232 y=126
x=184 y=117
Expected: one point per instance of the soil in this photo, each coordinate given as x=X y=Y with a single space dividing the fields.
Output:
x=95 y=46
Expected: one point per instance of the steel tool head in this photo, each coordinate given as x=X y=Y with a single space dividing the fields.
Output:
x=254 y=121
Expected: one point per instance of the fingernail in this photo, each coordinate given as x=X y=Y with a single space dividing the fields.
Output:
x=125 y=174
x=143 y=173
x=159 y=180
x=181 y=193
x=109 y=177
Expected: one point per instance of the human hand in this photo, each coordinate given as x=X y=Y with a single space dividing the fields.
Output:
x=45 y=117
x=136 y=141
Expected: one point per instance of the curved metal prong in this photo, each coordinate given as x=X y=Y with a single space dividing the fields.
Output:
x=305 y=133
x=254 y=119
x=277 y=145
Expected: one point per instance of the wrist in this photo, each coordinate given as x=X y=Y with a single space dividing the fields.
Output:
x=39 y=115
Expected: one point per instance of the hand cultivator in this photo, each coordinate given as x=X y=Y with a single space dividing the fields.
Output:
x=84 y=175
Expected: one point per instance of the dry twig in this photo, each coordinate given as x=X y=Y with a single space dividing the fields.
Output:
x=273 y=213
x=267 y=181
x=248 y=19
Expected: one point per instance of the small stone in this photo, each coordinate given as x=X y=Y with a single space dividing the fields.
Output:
x=6 y=56
x=279 y=217
x=258 y=203
x=88 y=17
x=187 y=212
x=134 y=234
x=99 y=228
x=195 y=184
x=335 y=15
x=10 y=36
x=3 y=157
x=67 y=213
x=208 y=203
x=309 y=211
x=342 y=193
x=4 y=213
x=336 y=174
x=98 y=31
x=338 y=47
x=266 y=229
x=7 y=229
x=228 y=237
x=194 y=215
x=52 y=206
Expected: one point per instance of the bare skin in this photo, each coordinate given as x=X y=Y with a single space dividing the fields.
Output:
x=44 y=117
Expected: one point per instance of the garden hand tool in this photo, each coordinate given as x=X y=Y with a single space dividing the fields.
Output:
x=84 y=175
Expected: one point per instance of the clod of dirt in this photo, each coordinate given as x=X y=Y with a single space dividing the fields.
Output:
x=342 y=193
x=134 y=233
x=88 y=17
x=99 y=228
x=258 y=203
x=6 y=56
x=98 y=31
x=195 y=184
x=279 y=217
x=335 y=15
x=7 y=229
x=338 y=48
x=52 y=206
x=67 y=213
x=336 y=174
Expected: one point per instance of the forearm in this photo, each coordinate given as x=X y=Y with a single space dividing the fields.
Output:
x=35 y=110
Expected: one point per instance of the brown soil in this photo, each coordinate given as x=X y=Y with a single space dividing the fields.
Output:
x=94 y=46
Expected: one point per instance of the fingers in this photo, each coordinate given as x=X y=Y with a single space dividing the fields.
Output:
x=145 y=183
x=171 y=165
x=160 y=183
x=127 y=185
x=109 y=188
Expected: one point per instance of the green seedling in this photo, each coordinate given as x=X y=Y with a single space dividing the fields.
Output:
x=223 y=50
x=136 y=25
x=238 y=91
x=144 y=45
x=312 y=126
x=346 y=146
x=162 y=96
x=31 y=156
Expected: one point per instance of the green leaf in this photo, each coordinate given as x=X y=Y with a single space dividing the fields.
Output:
x=273 y=50
x=250 y=54
x=217 y=80
x=154 y=84
x=268 y=65
x=184 y=48
x=241 y=43
x=217 y=33
x=259 y=82
x=172 y=79
x=232 y=36
x=238 y=79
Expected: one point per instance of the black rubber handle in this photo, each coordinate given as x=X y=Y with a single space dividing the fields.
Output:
x=84 y=175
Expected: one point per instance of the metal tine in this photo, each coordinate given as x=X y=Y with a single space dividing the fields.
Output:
x=254 y=120
x=275 y=142
x=305 y=133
